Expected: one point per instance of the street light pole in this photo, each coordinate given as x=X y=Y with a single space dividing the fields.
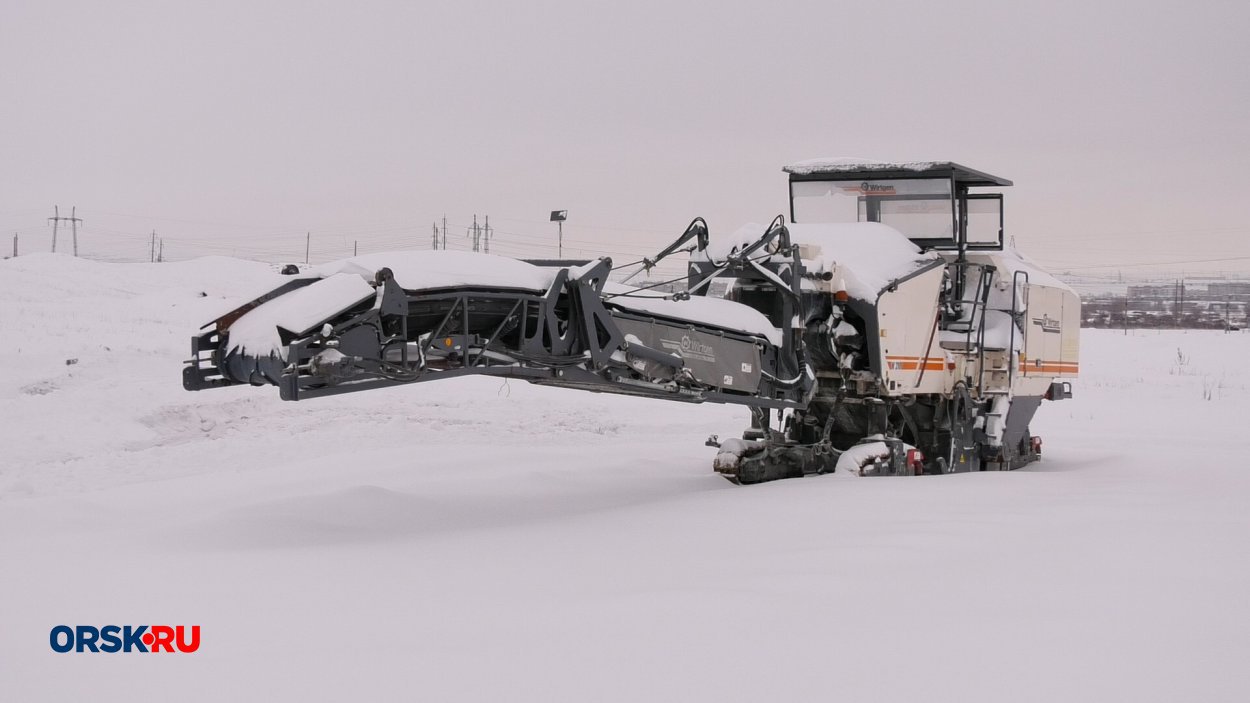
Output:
x=558 y=217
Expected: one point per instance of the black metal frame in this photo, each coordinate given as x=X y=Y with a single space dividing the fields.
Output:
x=963 y=228
x=960 y=178
x=566 y=336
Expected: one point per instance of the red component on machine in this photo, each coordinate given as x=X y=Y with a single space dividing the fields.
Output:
x=915 y=461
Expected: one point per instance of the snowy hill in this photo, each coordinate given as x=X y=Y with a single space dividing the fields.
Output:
x=478 y=540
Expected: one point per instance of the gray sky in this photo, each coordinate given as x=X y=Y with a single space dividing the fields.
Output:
x=235 y=127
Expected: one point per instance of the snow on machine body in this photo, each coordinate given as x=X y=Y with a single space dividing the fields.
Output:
x=886 y=324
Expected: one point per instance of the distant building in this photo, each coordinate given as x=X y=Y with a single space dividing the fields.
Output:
x=1238 y=291
x=1153 y=292
x=1212 y=305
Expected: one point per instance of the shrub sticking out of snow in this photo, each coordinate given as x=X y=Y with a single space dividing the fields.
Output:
x=1182 y=361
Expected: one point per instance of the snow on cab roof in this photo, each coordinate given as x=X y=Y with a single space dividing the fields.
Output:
x=837 y=164
x=843 y=166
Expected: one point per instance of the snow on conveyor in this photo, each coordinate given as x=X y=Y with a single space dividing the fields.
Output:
x=298 y=312
x=698 y=309
x=425 y=270
x=345 y=284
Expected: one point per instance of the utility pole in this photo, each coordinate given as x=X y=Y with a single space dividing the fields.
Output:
x=355 y=247
x=487 y=234
x=15 y=244
x=307 y=246
x=160 y=251
x=1182 y=293
x=444 y=230
x=435 y=243
x=1176 y=303
x=152 y=254
x=56 y=220
x=73 y=221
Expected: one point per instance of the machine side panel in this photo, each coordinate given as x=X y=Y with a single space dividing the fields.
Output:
x=713 y=359
x=1070 y=344
x=1046 y=332
x=912 y=360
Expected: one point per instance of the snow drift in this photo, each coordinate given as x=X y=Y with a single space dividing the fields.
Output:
x=473 y=540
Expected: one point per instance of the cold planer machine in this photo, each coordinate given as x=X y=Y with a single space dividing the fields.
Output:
x=880 y=354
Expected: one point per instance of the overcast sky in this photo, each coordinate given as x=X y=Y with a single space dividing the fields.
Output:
x=236 y=127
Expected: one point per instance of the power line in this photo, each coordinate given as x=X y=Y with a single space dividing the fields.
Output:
x=1160 y=263
x=56 y=220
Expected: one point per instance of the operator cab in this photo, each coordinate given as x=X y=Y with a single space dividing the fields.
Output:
x=936 y=204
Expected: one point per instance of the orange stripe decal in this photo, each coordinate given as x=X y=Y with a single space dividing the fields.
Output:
x=913 y=363
x=1049 y=366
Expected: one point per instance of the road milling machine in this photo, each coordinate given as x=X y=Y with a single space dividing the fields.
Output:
x=884 y=328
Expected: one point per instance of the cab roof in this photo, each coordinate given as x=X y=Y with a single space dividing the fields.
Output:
x=844 y=169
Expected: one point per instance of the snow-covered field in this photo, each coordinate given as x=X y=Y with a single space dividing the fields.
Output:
x=472 y=540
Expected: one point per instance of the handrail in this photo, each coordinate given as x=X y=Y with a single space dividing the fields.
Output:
x=977 y=307
x=1011 y=347
x=987 y=275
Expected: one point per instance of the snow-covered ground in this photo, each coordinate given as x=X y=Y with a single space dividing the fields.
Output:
x=478 y=540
